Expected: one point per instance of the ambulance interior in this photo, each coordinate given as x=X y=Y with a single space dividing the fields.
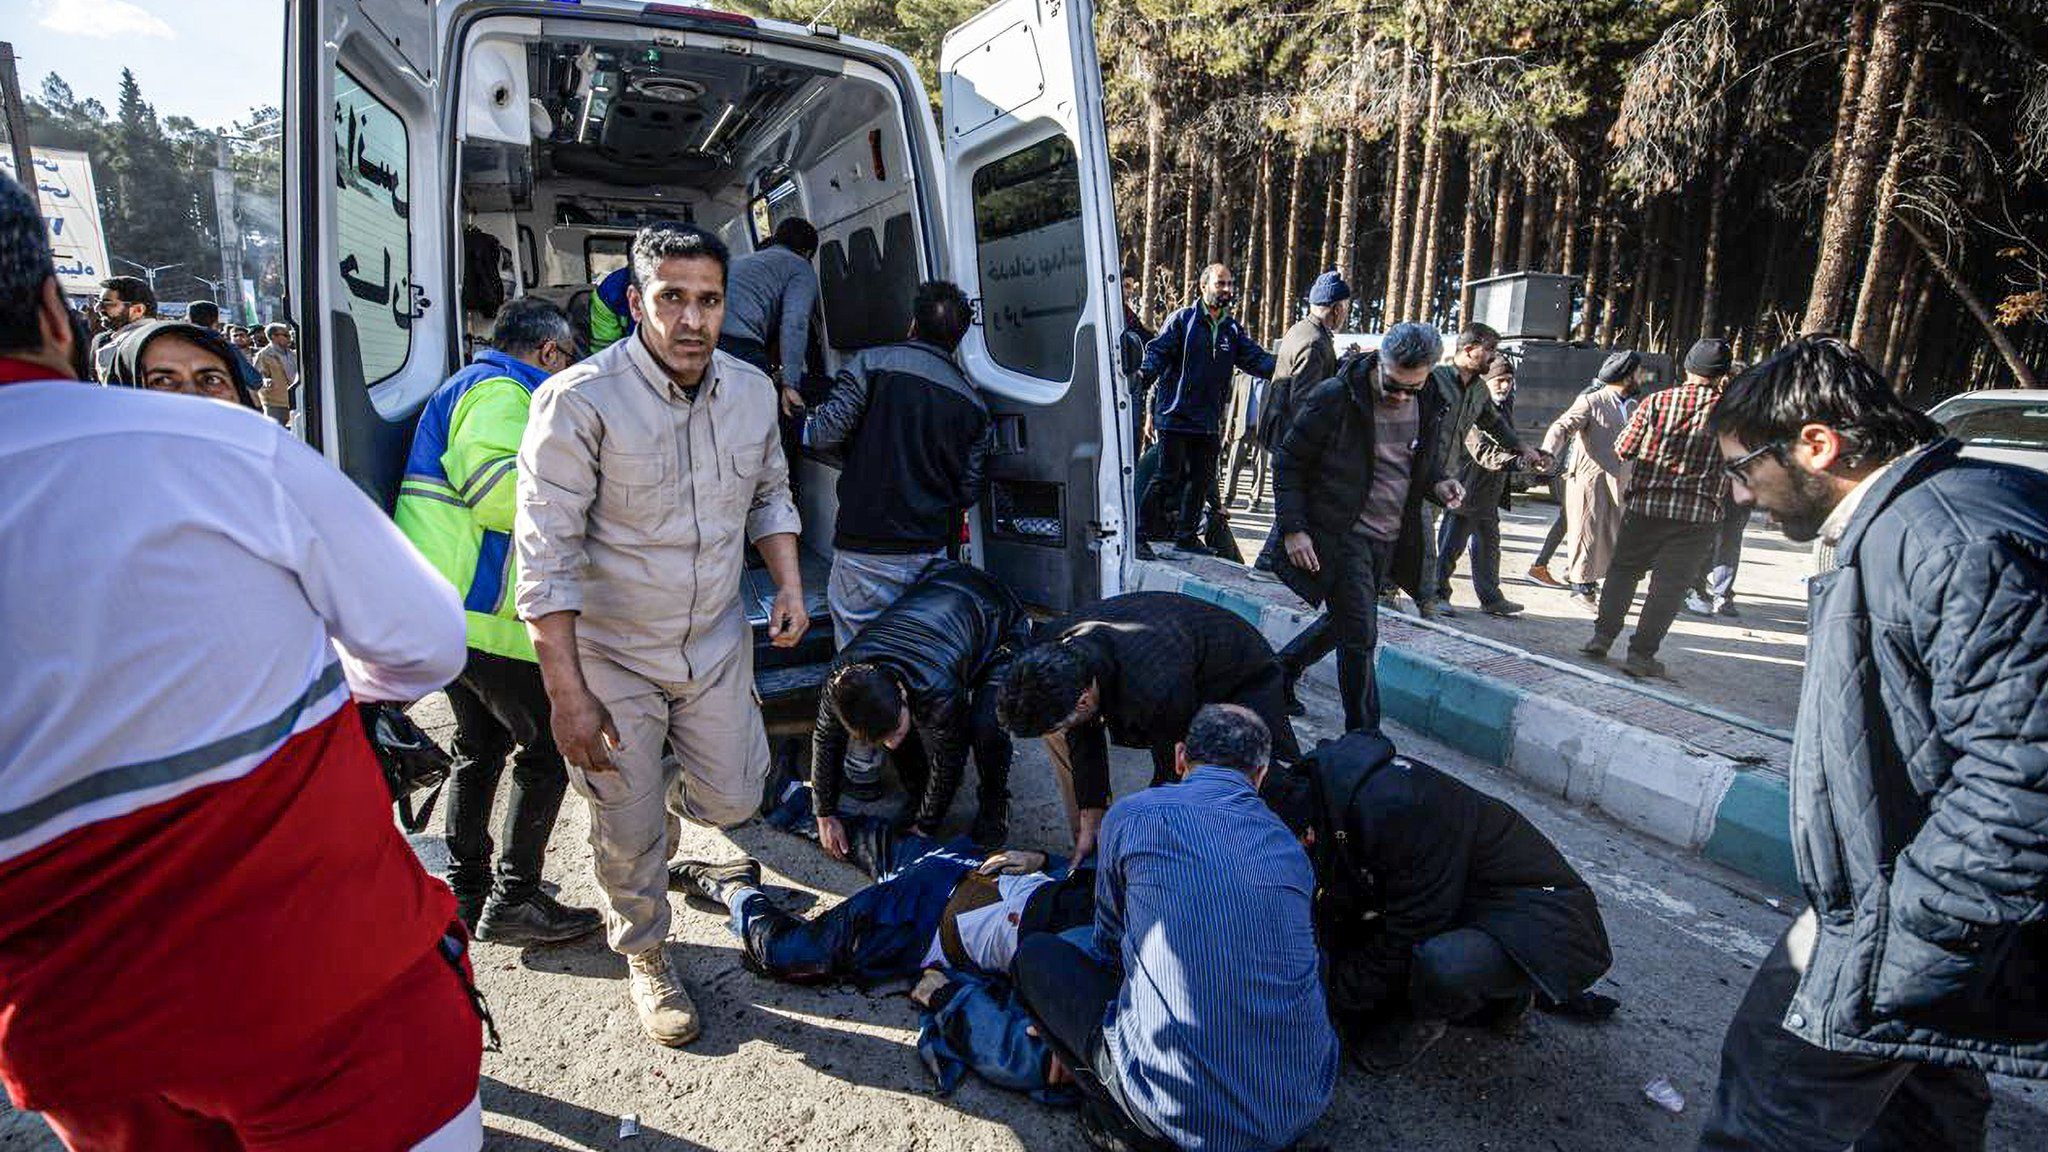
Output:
x=570 y=144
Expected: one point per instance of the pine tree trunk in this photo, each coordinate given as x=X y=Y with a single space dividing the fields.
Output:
x=1901 y=309
x=1566 y=247
x=1258 y=282
x=1848 y=208
x=1611 y=298
x=1290 y=279
x=1710 y=254
x=1588 y=318
x=1525 y=241
x=1423 y=225
x=1503 y=204
x=1190 y=233
x=1149 y=271
x=1648 y=259
x=1397 y=210
x=1347 y=215
x=1476 y=164
x=1880 y=271
x=2023 y=377
x=1423 y=284
x=1856 y=54
x=1331 y=204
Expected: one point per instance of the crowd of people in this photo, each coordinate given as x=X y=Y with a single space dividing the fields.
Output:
x=190 y=810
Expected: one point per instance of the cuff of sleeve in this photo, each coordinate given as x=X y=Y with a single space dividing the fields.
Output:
x=547 y=597
x=773 y=520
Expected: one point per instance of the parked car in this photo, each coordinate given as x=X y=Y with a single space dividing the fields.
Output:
x=2009 y=424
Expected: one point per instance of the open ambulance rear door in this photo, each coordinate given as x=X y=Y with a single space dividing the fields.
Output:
x=1031 y=232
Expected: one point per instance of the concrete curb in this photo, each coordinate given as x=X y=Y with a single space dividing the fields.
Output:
x=1649 y=781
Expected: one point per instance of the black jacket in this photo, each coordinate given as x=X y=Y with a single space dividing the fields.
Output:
x=914 y=436
x=1404 y=852
x=1920 y=771
x=1157 y=658
x=942 y=640
x=1322 y=476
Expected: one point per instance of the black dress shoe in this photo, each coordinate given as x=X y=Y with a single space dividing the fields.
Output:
x=713 y=881
x=1392 y=1045
x=536 y=918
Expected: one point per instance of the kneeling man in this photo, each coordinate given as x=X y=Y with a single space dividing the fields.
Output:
x=1198 y=1018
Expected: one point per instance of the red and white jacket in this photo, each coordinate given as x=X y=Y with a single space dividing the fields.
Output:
x=197 y=857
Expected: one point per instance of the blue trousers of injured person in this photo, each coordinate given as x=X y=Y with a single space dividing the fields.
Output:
x=880 y=933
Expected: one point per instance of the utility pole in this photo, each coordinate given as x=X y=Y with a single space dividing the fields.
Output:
x=228 y=228
x=17 y=125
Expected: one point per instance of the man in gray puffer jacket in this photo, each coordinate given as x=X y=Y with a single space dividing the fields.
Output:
x=1919 y=772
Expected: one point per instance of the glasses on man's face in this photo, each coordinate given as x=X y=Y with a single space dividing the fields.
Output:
x=1738 y=468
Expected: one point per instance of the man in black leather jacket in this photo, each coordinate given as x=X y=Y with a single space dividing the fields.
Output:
x=920 y=680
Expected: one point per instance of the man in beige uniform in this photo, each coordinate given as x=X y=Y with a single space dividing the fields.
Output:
x=639 y=470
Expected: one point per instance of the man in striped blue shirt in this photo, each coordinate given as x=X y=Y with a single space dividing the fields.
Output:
x=1198 y=1021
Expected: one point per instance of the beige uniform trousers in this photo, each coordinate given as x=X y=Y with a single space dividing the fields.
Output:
x=713 y=725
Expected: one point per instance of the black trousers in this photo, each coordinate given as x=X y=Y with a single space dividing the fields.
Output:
x=499 y=702
x=1670 y=551
x=1349 y=626
x=986 y=738
x=1460 y=973
x=1555 y=537
x=1067 y=989
x=1778 y=1092
x=1187 y=468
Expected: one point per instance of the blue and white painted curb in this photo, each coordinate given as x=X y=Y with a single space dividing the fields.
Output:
x=1699 y=801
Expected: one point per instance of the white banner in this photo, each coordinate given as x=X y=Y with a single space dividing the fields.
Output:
x=71 y=205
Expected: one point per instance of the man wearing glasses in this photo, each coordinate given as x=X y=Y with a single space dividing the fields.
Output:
x=1919 y=772
x=1349 y=481
x=1674 y=507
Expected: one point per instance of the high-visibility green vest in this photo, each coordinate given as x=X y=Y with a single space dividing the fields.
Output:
x=457 y=501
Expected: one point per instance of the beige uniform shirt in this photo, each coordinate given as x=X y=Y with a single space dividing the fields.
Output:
x=632 y=500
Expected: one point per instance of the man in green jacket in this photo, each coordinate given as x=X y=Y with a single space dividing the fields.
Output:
x=1470 y=405
x=457 y=504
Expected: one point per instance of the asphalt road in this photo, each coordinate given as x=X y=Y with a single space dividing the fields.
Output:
x=791 y=1068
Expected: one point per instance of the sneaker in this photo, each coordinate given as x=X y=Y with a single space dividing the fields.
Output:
x=1501 y=608
x=1698 y=605
x=1586 y=602
x=667 y=1014
x=713 y=881
x=1644 y=667
x=534 y=919
x=1726 y=607
x=1540 y=574
x=1595 y=649
x=991 y=827
x=469 y=908
x=1392 y=1045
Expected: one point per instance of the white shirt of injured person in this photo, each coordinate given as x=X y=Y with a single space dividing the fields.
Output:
x=989 y=933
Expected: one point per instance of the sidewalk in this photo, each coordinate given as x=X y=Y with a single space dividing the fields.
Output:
x=1699 y=762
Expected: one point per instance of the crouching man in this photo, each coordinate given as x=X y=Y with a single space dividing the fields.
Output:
x=1438 y=903
x=920 y=680
x=1197 y=1020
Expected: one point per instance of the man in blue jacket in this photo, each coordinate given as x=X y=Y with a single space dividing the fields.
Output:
x=1187 y=369
x=1919 y=772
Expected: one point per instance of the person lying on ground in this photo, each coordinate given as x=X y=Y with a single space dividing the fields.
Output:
x=932 y=905
x=1436 y=903
x=920 y=681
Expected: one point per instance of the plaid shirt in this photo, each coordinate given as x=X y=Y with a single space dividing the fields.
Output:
x=1678 y=464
